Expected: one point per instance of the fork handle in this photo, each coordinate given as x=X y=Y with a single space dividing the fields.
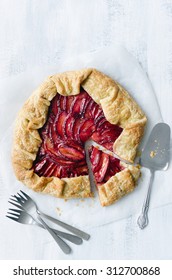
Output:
x=143 y=218
x=72 y=229
x=65 y=248
x=70 y=237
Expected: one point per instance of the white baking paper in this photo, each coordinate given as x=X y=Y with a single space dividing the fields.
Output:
x=121 y=66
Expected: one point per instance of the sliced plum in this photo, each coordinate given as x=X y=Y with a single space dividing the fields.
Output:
x=69 y=127
x=60 y=123
x=63 y=103
x=55 y=105
x=71 y=153
x=82 y=170
x=70 y=100
x=53 y=136
x=50 y=170
x=104 y=166
x=86 y=130
x=71 y=121
x=76 y=128
x=88 y=110
x=78 y=105
x=95 y=155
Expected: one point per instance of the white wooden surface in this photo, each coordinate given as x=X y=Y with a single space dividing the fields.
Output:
x=42 y=31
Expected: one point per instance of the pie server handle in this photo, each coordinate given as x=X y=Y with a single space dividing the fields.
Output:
x=143 y=218
x=72 y=229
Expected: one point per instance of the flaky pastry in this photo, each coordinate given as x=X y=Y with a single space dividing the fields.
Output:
x=54 y=123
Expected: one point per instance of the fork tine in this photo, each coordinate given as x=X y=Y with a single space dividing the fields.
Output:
x=17 y=198
x=15 y=210
x=12 y=218
x=13 y=199
x=17 y=205
x=21 y=197
x=28 y=197
x=13 y=215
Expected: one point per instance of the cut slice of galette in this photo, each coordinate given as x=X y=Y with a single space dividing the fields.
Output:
x=113 y=178
x=52 y=127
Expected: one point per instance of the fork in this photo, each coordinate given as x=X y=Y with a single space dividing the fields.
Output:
x=25 y=218
x=28 y=204
x=64 y=246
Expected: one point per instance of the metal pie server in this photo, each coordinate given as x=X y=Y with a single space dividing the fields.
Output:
x=155 y=156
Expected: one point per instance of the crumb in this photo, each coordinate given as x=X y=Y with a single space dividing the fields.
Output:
x=59 y=211
x=77 y=204
x=152 y=154
x=82 y=200
x=65 y=199
x=92 y=203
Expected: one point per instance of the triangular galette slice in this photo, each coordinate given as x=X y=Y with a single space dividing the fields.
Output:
x=113 y=178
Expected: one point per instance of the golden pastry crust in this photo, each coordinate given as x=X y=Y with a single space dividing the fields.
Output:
x=27 y=141
x=119 y=108
x=118 y=185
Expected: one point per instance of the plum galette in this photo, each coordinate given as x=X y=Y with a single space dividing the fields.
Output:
x=57 y=120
